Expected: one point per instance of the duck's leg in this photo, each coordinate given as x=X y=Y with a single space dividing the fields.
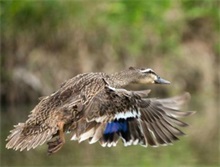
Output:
x=54 y=146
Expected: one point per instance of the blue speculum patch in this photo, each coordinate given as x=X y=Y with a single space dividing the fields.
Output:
x=116 y=126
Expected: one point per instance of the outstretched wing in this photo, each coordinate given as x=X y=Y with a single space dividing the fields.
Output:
x=129 y=115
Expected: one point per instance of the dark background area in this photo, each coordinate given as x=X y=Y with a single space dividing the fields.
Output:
x=43 y=43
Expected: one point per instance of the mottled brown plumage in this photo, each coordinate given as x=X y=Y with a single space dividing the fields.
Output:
x=94 y=106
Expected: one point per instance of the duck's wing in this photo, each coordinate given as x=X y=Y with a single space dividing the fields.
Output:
x=118 y=113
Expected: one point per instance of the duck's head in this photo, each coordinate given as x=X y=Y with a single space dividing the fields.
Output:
x=136 y=75
x=148 y=76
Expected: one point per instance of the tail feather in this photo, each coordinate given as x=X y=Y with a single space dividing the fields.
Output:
x=14 y=137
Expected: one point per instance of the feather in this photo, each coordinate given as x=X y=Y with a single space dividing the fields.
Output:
x=74 y=137
x=98 y=133
x=147 y=134
x=23 y=137
x=86 y=135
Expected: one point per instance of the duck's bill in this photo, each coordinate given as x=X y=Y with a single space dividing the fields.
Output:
x=161 y=81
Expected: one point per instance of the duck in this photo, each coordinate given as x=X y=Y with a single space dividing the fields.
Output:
x=96 y=107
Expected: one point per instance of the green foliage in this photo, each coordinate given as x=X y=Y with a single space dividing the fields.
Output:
x=204 y=8
x=137 y=12
x=29 y=14
x=130 y=21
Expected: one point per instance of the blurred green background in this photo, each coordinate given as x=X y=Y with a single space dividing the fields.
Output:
x=44 y=43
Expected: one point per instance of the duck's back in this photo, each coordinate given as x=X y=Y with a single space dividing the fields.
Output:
x=77 y=89
x=86 y=85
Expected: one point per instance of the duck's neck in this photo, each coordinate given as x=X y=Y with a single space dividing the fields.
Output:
x=123 y=78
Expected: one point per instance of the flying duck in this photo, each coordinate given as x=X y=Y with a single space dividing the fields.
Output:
x=97 y=108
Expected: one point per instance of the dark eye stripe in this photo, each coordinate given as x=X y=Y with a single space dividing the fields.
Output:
x=152 y=72
x=148 y=71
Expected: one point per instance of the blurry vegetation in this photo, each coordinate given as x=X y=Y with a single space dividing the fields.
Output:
x=46 y=42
